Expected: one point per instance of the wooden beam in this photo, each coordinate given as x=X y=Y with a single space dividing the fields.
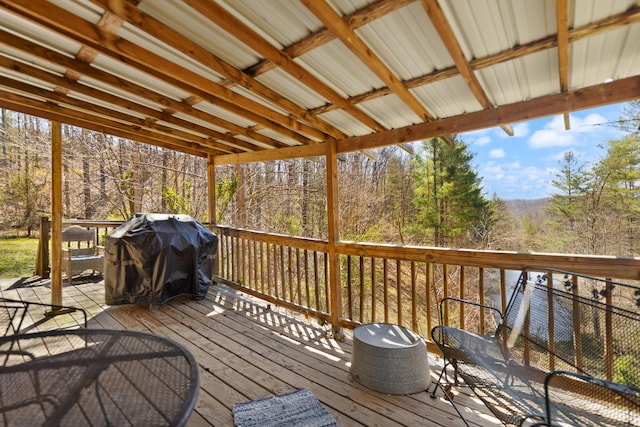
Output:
x=562 y=19
x=594 y=96
x=297 y=152
x=211 y=193
x=56 y=214
x=441 y=24
x=218 y=15
x=211 y=199
x=333 y=233
x=591 y=97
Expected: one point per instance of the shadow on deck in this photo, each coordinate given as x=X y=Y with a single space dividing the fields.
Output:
x=248 y=349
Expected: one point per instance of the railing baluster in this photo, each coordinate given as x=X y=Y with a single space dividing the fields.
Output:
x=306 y=278
x=428 y=276
x=272 y=277
x=462 y=296
x=373 y=289
x=282 y=272
x=349 y=292
x=325 y=259
x=298 y=276
x=414 y=297
x=361 y=308
x=481 y=299
x=551 y=323
x=398 y=293
x=385 y=290
x=262 y=267
x=445 y=293
x=290 y=273
x=316 y=280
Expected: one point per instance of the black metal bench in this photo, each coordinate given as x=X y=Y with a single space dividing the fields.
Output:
x=556 y=324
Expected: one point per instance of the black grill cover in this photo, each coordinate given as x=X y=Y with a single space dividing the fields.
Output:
x=154 y=257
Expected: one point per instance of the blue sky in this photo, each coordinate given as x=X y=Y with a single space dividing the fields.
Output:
x=523 y=166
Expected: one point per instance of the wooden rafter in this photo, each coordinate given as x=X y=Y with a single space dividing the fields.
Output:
x=137 y=17
x=228 y=112
x=341 y=29
x=59 y=20
x=355 y=20
x=562 y=19
x=85 y=120
x=345 y=33
x=217 y=14
x=79 y=105
x=628 y=17
x=82 y=68
x=450 y=41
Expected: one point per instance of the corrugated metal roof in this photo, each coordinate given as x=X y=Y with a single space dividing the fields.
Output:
x=250 y=75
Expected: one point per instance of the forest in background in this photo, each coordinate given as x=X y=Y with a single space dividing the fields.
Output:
x=429 y=196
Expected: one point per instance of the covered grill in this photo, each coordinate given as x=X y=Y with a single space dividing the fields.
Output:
x=153 y=257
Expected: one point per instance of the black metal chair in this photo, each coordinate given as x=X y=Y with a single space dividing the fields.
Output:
x=18 y=316
x=582 y=400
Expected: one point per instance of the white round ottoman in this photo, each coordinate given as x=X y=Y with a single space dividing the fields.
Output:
x=389 y=359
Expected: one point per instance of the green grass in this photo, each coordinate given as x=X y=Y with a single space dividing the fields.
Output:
x=17 y=257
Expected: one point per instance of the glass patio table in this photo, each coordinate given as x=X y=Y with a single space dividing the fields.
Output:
x=95 y=377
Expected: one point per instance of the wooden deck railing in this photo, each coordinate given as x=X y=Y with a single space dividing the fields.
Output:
x=387 y=283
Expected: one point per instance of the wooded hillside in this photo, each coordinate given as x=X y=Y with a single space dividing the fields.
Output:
x=431 y=196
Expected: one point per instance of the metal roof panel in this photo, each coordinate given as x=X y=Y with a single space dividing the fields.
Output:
x=335 y=64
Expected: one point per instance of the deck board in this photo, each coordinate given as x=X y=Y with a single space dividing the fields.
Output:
x=248 y=350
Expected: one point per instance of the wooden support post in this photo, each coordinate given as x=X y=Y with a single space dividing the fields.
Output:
x=56 y=213
x=211 y=185
x=211 y=193
x=42 y=259
x=334 y=235
x=241 y=199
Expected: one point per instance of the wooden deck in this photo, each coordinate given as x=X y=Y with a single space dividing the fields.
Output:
x=248 y=350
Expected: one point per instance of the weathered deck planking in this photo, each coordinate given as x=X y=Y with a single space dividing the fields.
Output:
x=248 y=350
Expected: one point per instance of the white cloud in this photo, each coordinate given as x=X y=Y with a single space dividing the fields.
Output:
x=553 y=133
x=497 y=153
x=546 y=138
x=556 y=124
x=521 y=129
x=483 y=140
x=515 y=181
x=592 y=123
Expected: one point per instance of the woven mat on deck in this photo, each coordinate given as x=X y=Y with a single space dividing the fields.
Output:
x=297 y=408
